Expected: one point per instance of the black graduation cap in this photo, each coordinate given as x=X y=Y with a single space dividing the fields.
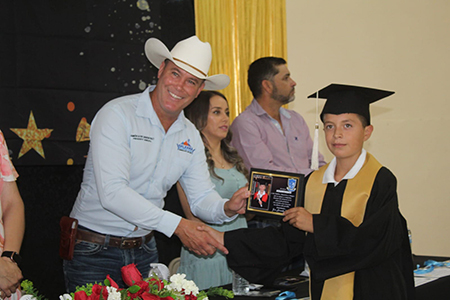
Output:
x=342 y=98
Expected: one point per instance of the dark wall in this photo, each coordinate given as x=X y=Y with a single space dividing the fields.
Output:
x=81 y=51
x=48 y=193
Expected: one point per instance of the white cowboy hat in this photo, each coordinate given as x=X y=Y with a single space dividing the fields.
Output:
x=192 y=55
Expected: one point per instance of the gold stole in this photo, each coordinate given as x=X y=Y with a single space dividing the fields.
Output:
x=354 y=203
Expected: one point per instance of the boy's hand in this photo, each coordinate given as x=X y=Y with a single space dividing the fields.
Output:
x=300 y=218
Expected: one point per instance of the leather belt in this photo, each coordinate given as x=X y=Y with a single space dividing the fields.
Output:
x=118 y=242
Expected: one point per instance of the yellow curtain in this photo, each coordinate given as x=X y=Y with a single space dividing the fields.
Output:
x=240 y=31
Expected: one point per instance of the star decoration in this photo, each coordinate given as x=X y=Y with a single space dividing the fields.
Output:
x=83 y=131
x=32 y=137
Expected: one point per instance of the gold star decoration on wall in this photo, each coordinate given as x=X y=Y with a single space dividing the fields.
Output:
x=83 y=131
x=32 y=137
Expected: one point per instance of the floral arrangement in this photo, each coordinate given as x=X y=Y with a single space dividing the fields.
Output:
x=139 y=288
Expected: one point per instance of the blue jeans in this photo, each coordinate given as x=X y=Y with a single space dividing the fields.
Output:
x=92 y=262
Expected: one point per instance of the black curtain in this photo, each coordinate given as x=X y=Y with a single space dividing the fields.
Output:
x=62 y=60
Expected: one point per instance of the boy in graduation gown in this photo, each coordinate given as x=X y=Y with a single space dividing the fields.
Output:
x=356 y=241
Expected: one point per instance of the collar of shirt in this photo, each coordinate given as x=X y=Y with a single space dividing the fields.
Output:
x=144 y=108
x=258 y=110
x=328 y=176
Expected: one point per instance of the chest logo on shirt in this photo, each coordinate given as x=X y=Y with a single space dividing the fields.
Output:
x=185 y=147
x=138 y=137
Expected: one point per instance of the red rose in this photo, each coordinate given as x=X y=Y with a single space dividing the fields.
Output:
x=112 y=282
x=80 y=295
x=190 y=297
x=131 y=274
x=148 y=296
x=143 y=289
x=157 y=282
x=98 y=290
x=167 y=298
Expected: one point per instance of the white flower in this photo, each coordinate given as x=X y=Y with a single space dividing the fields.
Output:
x=180 y=284
x=65 y=297
x=190 y=287
x=26 y=297
x=176 y=282
x=113 y=293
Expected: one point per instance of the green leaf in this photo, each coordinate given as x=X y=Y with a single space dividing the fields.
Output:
x=219 y=291
x=134 y=289
x=28 y=289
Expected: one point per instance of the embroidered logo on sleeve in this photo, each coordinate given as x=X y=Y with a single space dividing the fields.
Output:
x=185 y=147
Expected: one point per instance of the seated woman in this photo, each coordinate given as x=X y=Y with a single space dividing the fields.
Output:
x=209 y=113
x=12 y=226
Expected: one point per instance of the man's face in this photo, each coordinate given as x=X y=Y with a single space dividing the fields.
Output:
x=176 y=90
x=262 y=187
x=283 y=86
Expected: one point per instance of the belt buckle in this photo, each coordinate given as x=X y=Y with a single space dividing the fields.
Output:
x=125 y=243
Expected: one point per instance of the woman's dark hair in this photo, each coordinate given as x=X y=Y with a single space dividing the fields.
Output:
x=197 y=112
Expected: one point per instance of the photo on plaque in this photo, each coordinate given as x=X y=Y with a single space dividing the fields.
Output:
x=273 y=192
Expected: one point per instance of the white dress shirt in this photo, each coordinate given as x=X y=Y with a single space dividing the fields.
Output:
x=133 y=162
x=328 y=176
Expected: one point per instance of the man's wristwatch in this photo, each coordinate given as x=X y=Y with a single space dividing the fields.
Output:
x=14 y=256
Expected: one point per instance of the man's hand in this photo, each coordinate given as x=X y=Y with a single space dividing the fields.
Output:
x=10 y=276
x=198 y=241
x=217 y=235
x=237 y=203
x=300 y=218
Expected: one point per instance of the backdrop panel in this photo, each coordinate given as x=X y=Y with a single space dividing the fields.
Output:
x=60 y=61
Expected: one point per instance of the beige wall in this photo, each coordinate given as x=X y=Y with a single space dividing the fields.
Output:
x=396 y=45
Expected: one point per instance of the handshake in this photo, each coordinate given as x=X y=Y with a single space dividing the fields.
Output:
x=200 y=238
x=204 y=240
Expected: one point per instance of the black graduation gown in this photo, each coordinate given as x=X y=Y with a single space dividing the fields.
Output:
x=378 y=250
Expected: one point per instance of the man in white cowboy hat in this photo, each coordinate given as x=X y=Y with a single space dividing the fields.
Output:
x=140 y=146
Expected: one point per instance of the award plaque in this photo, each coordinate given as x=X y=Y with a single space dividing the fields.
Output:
x=273 y=192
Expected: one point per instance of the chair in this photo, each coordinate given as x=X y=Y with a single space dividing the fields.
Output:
x=173 y=266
